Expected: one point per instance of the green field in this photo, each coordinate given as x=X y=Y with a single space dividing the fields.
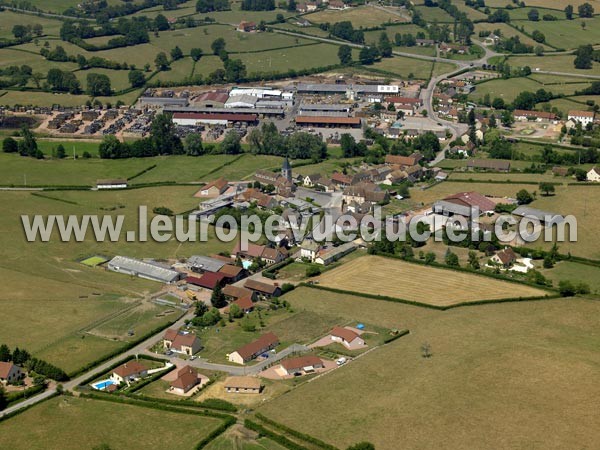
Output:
x=403 y=67
x=567 y=33
x=362 y=16
x=509 y=89
x=554 y=63
x=8 y=19
x=65 y=423
x=524 y=367
x=93 y=261
x=507 y=31
x=431 y=14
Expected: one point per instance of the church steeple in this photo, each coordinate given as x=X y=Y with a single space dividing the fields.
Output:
x=286 y=169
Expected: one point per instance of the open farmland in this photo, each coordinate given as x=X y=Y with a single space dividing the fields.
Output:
x=509 y=89
x=362 y=16
x=66 y=423
x=393 y=278
x=507 y=31
x=505 y=376
x=566 y=33
x=553 y=63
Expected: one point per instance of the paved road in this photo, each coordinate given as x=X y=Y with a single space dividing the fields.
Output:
x=254 y=369
x=69 y=385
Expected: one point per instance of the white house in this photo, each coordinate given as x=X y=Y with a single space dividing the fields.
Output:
x=593 y=175
x=128 y=372
x=309 y=249
x=346 y=337
x=583 y=117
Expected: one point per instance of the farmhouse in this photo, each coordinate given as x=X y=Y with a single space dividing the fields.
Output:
x=213 y=189
x=254 y=349
x=337 y=4
x=148 y=270
x=302 y=364
x=493 y=165
x=242 y=385
x=9 y=372
x=505 y=257
x=593 y=175
x=119 y=183
x=583 y=117
x=233 y=273
x=186 y=343
x=347 y=338
x=463 y=203
x=403 y=161
x=309 y=249
x=264 y=289
x=267 y=254
x=246 y=27
x=235 y=292
x=244 y=303
x=187 y=378
x=365 y=192
x=128 y=372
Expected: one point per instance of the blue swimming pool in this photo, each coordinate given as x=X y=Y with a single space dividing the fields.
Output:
x=101 y=385
x=246 y=264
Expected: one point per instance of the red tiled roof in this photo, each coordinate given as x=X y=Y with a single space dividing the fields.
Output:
x=220 y=97
x=528 y=113
x=401 y=160
x=344 y=333
x=230 y=270
x=263 y=343
x=260 y=286
x=170 y=334
x=182 y=340
x=472 y=199
x=403 y=100
x=130 y=368
x=219 y=184
x=186 y=377
x=576 y=113
x=236 y=292
x=245 y=303
x=209 y=280
x=5 y=369
x=300 y=362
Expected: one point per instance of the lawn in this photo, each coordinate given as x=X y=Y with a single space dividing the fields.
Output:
x=515 y=375
x=73 y=423
x=362 y=16
x=394 y=278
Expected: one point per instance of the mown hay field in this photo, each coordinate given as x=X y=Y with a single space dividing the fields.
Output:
x=502 y=376
x=377 y=275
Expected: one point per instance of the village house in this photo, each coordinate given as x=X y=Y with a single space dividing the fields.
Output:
x=583 y=117
x=311 y=180
x=186 y=343
x=264 y=289
x=302 y=365
x=365 y=192
x=233 y=273
x=346 y=337
x=593 y=175
x=262 y=200
x=267 y=254
x=213 y=189
x=242 y=385
x=340 y=179
x=235 y=292
x=187 y=379
x=244 y=303
x=254 y=349
x=505 y=258
x=10 y=373
x=129 y=372
x=309 y=249
x=246 y=27
x=337 y=4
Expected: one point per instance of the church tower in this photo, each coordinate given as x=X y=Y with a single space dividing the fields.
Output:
x=286 y=169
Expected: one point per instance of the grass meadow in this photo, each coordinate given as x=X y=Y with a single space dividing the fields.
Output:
x=566 y=33
x=513 y=375
x=394 y=278
x=362 y=16
x=65 y=423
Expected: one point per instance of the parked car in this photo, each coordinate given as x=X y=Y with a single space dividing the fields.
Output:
x=341 y=361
